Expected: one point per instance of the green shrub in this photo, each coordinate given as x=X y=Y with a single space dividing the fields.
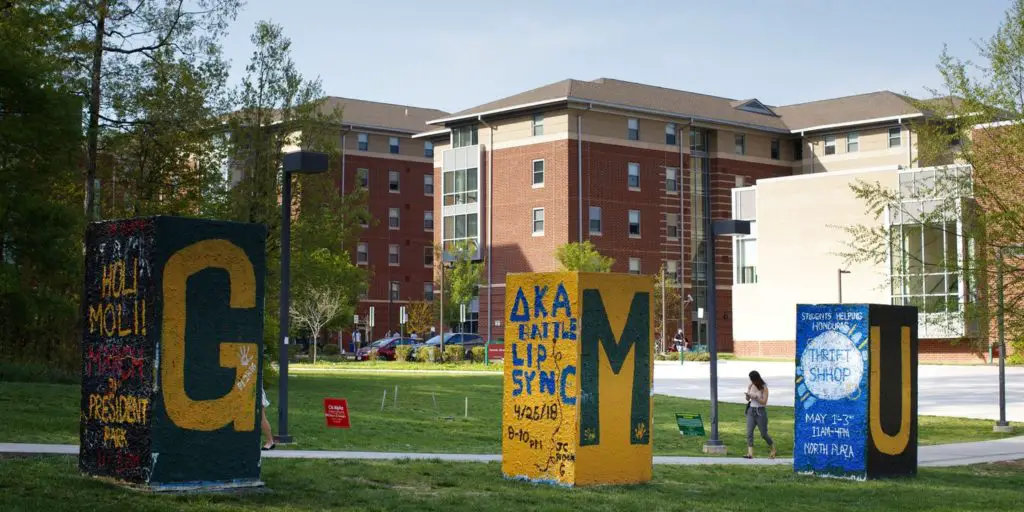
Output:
x=454 y=353
x=427 y=354
x=403 y=353
x=478 y=354
x=331 y=349
x=37 y=372
x=375 y=355
x=698 y=356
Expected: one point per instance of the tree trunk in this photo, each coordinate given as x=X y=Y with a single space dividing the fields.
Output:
x=94 y=113
x=316 y=339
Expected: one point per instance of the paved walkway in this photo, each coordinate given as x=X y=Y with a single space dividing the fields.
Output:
x=960 y=454
x=944 y=390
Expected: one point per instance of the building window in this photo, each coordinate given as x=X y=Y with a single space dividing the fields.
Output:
x=458 y=229
x=672 y=225
x=746 y=260
x=538 y=221
x=393 y=185
x=538 y=173
x=364 y=142
x=460 y=187
x=634 y=223
x=740 y=141
x=595 y=220
x=775 y=149
x=428 y=185
x=428 y=221
x=925 y=267
x=464 y=136
x=428 y=149
x=895 y=137
x=852 y=142
x=428 y=291
x=672 y=180
x=394 y=221
x=633 y=130
x=634 y=176
x=393 y=145
x=798 y=150
x=830 y=144
x=393 y=255
x=362 y=253
x=396 y=290
x=428 y=256
x=634 y=265
x=670 y=134
x=672 y=272
x=538 y=124
x=363 y=177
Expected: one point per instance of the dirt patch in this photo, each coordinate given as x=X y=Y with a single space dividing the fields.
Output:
x=1014 y=464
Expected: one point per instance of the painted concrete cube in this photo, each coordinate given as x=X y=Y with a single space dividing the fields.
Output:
x=171 y=352
x=576 y=407
x=856 y=390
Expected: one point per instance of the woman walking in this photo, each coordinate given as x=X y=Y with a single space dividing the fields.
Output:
x=757 y=399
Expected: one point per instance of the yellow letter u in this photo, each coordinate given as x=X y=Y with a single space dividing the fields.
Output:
x=890 y=444
x=239 y=404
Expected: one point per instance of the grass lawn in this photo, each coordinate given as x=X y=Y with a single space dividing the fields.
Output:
x=53 y=483
x=396 y=365
x=48 y=413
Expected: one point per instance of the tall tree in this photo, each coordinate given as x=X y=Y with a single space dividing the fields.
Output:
x=461 y=279
x=142 y=60
x=978 y=210
x=583 y=257
x=667 y=300
x=40 y=222
x=277 y=110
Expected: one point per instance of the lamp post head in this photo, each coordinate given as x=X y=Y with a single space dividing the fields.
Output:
x=305 y=162
x=841 y=271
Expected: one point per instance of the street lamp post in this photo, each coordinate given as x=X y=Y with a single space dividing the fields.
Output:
x=1002 y=425
x=446 y=258
x=839 y=273
x=302 y=162
x=716 y=228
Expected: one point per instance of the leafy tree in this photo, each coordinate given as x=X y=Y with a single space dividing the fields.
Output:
x=989 y=199
x=422 y=316
x=462 y=278
x=279 y=109
x=150 y=71
x=40 y=212
x=583 y=257
x=667 y=295
x=315 y=308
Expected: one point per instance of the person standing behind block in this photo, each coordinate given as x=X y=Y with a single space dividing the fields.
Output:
x=269 y=443
x=757 y=414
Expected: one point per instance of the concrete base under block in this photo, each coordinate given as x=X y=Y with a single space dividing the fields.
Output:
x=1003 y=429
x=716 y=449
x=200 y=487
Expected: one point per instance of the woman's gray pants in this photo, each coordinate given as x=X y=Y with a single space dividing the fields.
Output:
x=758 y=416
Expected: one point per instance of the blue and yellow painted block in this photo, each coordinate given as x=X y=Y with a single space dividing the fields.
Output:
x=578 y=373
x=172 y=351
x=856 y=390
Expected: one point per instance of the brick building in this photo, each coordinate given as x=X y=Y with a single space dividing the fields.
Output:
x=380 y=154
x=617 y=163
x=627 y=167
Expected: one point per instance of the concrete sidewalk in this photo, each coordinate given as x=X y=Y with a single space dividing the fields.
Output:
x=947 y=455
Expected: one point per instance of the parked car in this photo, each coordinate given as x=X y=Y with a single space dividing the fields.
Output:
x=385 y=348
x=466 y=340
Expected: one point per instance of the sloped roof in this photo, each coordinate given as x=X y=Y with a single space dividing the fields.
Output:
x=683 y=104
x=848 y=109
x=620 y=93
x=371 y=114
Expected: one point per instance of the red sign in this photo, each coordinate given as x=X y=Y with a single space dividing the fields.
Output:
x=496 y=352
x=336 y=411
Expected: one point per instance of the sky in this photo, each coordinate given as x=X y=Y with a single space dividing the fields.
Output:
x=454 y=55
